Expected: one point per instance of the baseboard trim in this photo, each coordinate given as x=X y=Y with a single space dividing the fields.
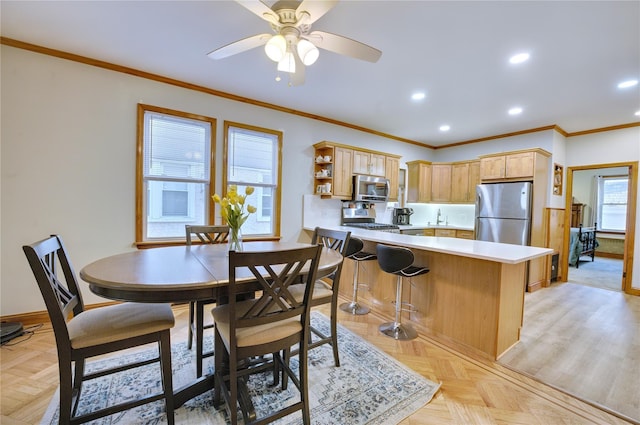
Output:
x=610 y=255
x=36 y=317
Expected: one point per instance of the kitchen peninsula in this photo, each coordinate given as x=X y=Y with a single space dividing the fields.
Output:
x=472 y=298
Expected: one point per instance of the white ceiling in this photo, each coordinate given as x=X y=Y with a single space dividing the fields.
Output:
x=456 y=51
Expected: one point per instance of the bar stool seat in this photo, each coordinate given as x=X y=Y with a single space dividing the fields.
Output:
x=399 y=261
x=355 y=253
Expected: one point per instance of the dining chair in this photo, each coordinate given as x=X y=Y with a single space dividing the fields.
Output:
x=81 y=334
x=206 y=235
x=326 y=288
x=271 y=323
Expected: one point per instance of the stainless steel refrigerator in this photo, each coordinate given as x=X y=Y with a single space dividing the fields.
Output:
x=503 y=212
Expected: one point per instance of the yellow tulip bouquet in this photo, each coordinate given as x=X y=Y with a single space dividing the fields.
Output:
x=233 y=213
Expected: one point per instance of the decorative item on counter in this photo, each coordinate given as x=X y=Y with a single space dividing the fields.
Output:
x=233 y=213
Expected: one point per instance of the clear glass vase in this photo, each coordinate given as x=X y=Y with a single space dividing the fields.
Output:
x=235 y=239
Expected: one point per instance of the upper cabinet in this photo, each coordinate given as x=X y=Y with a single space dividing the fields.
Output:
x=368 y=163
x=392 y=171
x=418 y=181
x=343 y=181
x=440 y=182
x=341 y=162
x=465 y=176
x=520 y=165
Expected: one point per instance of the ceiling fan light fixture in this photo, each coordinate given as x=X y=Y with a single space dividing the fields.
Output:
x=308 y=52
x=276 y=48
x=288 y=63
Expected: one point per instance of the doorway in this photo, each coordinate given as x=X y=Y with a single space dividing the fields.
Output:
x=581 y=208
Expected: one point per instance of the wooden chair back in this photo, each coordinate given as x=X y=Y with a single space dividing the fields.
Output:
x=207 y=234
x=274 y=273
x=57 y=282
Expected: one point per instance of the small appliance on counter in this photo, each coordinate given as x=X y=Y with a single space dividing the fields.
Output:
x=401 y=216
x=363 y=215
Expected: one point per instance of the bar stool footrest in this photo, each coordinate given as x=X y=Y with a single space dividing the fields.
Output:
x=410 y=308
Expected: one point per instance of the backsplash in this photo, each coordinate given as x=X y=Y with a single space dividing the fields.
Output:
x=327 y=212
x=458 y=215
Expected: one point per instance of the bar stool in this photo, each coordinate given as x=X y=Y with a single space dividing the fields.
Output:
x=354 y=252
x=399 y=261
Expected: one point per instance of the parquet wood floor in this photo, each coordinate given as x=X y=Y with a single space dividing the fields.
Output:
x=474 y=391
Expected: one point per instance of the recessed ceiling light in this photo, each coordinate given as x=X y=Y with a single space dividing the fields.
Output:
x=515 y=111
x=637 y=114
x=418 y=96
x=627 y=84
x=519 y=58
x=445 y=127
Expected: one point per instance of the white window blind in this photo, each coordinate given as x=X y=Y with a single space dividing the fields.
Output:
x=176 y=174
x=252 y=160
x=612 y=205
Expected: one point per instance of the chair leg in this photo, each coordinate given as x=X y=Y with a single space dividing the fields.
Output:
x=191 y=313
x=66 y=390
x=199 y=307
x=396 y=329
x=304 y=387
x=353 y=307
x=334 y=329
x=167 y=375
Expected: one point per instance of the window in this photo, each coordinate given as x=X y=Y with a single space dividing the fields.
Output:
x=612 y=203
x=174 y=172
x=252 y=158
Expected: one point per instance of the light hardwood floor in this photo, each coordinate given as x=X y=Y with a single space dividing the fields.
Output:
x=474 y=391
x=584 y=339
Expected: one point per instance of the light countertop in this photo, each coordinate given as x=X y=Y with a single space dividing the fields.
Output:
x=492 y=251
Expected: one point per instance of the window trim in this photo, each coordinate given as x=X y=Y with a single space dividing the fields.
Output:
x=142 y=108
x=601 y=203
x=277 y=196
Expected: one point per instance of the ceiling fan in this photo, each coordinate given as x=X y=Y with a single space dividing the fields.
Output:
x=294 y=45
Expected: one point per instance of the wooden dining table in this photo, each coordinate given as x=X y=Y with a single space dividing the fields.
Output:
x=181 y=274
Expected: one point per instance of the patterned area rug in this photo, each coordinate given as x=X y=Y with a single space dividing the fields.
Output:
x=369 y=388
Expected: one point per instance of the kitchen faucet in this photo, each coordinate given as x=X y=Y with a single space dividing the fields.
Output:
x=438 y=218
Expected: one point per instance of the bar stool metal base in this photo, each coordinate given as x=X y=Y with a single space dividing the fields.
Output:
x=399 y=331
x=354 y=308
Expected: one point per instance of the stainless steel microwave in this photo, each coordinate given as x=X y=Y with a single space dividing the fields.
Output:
x=370 y=188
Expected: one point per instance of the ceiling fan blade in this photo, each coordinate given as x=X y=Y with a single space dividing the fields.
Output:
x=314 y=9
x=239 y=46
x=344 y=46
x=260 y=9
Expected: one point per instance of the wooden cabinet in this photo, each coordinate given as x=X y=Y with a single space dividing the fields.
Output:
x=576 y=214
x=338 y=161
x=418 y=181
x=445 y=233
x=520 y=165
x=464 y=234
x=492 y=168
x=429 y=232
x=391 y=171
x=368 y=163
x=464 y=178
x=440 y=182
x=343 y=161
x=342 y=181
